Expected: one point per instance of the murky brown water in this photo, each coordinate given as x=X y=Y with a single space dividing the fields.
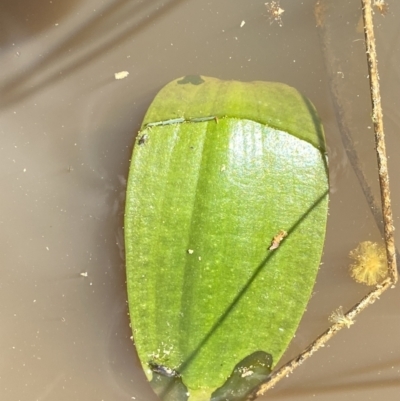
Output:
x=67 y=130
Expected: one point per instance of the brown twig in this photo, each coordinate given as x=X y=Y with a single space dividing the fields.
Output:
x=388 y=228
x=377 y=118
x=320 y=342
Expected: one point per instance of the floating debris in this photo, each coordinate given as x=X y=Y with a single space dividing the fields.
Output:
x=275 y=12
x=339 y=317
x=381 y=6
x=121 y=74
x=370 y=263
x=277 y=240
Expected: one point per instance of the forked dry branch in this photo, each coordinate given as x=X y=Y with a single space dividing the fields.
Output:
x=346 y=319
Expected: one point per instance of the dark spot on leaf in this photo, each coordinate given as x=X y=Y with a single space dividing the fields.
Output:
x=143 y=139
x=191 y=79
x=167 y=383
x=163 y=370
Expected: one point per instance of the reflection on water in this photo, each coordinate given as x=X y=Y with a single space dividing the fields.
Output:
x=67 y=133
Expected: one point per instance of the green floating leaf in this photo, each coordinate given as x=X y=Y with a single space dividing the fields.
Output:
x=225 y=222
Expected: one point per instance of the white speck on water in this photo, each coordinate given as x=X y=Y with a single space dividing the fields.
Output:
x=121 y=74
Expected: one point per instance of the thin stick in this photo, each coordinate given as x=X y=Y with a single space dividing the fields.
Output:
x=320 y=342
x=342 y=115
x=390 y=281
x=377 y=118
